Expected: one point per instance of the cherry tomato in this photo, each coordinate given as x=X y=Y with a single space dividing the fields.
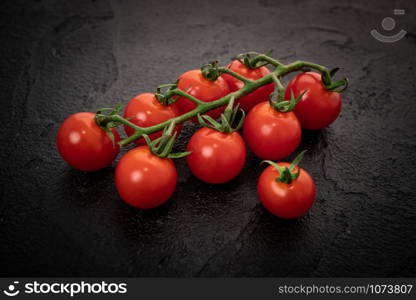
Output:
x=261 y=94
x=318 y=108
x=285 y=200
x=84 y=145
x=195 y=84
x=145 y=180
x=216 y=157
x=271 y=134
x=145 y=110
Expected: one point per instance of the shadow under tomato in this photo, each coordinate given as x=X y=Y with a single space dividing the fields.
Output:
x=315 y=141
x=261 y=234
x=88 y=188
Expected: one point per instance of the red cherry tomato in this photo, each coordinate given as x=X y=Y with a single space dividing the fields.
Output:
x=145 y=180
x=271 y=134
x=318 y=108
x=285 y=200
x=216 y=157
x=145 y=110
x=195 y=84
x=84 y=145
x=261 y=94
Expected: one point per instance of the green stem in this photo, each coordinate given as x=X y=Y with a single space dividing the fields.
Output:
x=234 y=74
x=286 y=174
x=279 y=86
x=120 y=119
x=202 y=107
x=299 y=65
x=267 y=59
x=181 y=93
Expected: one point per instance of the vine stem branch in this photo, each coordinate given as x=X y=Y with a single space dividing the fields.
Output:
x=234 y=74
x=202 y=107
x=267 y=59
x=279 y=87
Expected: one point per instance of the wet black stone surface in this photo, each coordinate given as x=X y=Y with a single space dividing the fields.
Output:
x=61 y=57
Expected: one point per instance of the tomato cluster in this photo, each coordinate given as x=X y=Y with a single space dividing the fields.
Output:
x=146 y=176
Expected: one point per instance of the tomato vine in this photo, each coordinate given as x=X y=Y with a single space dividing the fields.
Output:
x=170 y=93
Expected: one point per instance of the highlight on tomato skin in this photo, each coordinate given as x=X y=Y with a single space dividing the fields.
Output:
x=145 y=110
x=216 y=157
x=194 y=83
x=271 y=134
x=261 y=94
x=144 y=180
x=319 y=107
x=84 y=145
x=287 y=201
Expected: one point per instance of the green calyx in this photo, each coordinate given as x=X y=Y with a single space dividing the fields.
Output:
x=106 y=123
x=228 y=118
x=337 y=86
x=286 y=174
x=163 y=145
x=211 y=71
x=280 y=103
x=285 y=105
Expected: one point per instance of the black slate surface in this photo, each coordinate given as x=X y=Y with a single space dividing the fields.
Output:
x=61 y=57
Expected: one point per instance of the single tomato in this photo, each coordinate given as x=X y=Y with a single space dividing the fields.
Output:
x=143 y=179
x=195 y=84
x=286 y=200
x=84 y=145
x=261 y=94
x=216 y=157
x=318 y=108
x=145 y=110
x=271 y=134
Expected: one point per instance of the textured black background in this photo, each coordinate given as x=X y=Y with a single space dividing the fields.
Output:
x=61 y=57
